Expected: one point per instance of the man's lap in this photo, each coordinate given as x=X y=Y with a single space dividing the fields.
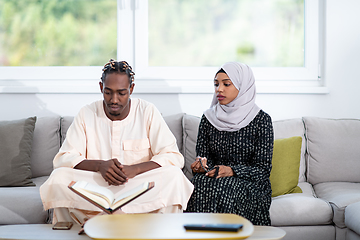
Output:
x=171 y=188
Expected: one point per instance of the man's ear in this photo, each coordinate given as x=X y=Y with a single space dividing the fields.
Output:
x=101 y=87
x=132 y=88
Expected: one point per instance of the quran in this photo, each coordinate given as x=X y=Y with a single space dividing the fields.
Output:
x=104 y=198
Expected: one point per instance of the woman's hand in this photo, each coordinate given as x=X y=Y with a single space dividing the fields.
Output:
x=196 y=166
x=223 y=171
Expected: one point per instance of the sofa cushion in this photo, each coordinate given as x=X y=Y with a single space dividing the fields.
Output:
x=339 y=195
x=300 y=209
x=352 y=219
x=46 y=144
x=319 y=232
x=15 y=152
x=351 y=235
x=291 y=128
x=174 y=122
x=190 y=131
x=65 y=124
x=22 y=205
x=284 y=175
x=333 y=149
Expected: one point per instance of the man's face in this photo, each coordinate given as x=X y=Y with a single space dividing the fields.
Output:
x=116 y=91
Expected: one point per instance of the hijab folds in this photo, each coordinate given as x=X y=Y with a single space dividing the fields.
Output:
x=242 y=110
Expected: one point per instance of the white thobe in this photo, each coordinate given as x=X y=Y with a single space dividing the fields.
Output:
x=142 y=136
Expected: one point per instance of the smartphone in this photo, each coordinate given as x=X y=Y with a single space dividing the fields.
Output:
x=62 y=226
x=214 y=227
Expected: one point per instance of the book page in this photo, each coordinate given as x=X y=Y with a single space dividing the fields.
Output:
x=123 y=198
x=99 y=194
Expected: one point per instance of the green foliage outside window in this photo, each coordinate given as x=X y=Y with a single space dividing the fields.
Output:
x=261 y=33
x=57 y=32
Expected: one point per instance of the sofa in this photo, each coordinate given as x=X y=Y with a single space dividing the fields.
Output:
x=327 y=173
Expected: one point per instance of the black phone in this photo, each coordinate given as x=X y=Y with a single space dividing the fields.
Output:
x=214 y=227
x=62 y=226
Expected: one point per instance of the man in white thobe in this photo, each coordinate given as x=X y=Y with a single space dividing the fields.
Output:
x=118 y=143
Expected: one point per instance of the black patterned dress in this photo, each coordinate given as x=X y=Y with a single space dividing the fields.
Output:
x=248 y=152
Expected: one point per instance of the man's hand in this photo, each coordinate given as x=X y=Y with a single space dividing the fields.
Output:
x=111 y=171
x=132 y=170
x=196 y=166
x=224 y=171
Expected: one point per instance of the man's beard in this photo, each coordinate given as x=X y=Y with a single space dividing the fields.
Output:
x=113 y=113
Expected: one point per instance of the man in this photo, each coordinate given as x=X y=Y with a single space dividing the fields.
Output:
x=117 y=142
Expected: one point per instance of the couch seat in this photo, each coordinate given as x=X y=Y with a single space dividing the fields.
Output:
x=22 y=205
x=339 y=195
x=352 y=219
x=300 y=209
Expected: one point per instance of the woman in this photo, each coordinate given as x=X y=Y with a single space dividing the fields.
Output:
x=234 y=145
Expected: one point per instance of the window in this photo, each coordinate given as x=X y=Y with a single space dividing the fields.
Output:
x=57 y=32
x=54 y=40
x=176 y=43
x=279 y=40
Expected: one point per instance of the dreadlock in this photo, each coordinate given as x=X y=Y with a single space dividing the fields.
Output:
x=120 y=67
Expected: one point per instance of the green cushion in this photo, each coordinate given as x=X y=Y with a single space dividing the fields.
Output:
x=284 y=175
x=15 y=151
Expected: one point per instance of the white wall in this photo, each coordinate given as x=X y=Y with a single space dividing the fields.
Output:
x=342 y=75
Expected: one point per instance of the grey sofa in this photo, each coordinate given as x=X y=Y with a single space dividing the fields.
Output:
x=328 y=208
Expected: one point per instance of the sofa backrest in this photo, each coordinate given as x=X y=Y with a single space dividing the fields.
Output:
x=190 y=131
x=291 y=128
x=174 y=123
x=45 y=145
x=330 y=151
x=65 y=124
x=333 y=149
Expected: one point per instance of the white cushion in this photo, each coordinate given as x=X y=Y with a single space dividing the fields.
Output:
x=300 y=209
x=45 y=145
x=333 y=149
x=291 y=128
x=190 y=132
x=352 y=217
x=339 y=195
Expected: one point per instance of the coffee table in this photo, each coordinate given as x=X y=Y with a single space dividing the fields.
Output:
x=170 y=226
x=44 y=231
x=40 y=232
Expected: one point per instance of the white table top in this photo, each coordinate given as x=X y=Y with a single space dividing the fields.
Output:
x=44 y=231
x=39 y=232
x=170 y=226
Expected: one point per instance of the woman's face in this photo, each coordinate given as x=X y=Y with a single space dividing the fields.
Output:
x=224 y=89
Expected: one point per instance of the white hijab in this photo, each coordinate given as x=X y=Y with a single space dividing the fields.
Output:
x=240 y=111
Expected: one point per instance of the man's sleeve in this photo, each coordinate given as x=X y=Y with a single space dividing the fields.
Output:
x=73 y=150
x=162 y=142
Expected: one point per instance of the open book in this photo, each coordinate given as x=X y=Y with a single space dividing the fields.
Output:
x=104 y=198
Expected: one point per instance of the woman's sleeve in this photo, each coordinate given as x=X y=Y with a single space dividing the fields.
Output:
x=202 y=142
x=260 y=166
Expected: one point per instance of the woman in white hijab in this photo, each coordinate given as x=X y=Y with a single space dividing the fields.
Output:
x=234 y=145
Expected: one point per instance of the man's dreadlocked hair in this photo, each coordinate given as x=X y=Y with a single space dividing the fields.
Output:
x=120 y=67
